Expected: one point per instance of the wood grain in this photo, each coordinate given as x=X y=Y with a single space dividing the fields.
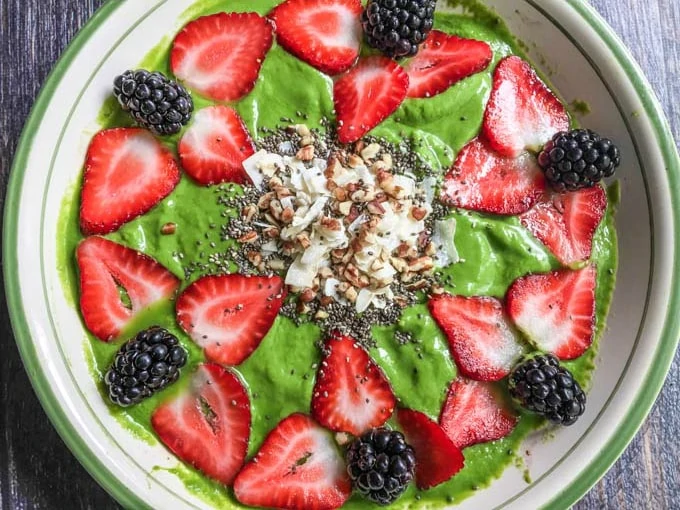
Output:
x=36 y=469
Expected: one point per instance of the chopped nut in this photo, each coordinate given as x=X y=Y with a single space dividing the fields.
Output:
x=358 y=196
x=344 y=208
x=326 y=272
x=302 y=130
x=418 y=213
x=306 y=140
x=255 y=258
x=371 y=151
x=287 y=215
x=418 y=285
x=354 y=161
x=401 y=301
x=249 y=212
x=377 y=265
x=342 y=287
x=332 y=168
x=331 y=185
x=379 y=166
x=376 y=208
x=340 y=194
x=306 y=153
x=437 y=290
x=402 y=250
x=303 y=239
x=276 y=209
x=288 y=248
x=399 y=264
x=326 y=301
x=168 y=229
x=307 y=296
x=351 y=294
x=302 y=308
x=421 y=264
x=265 y=200
x=430 y=249
x=274 y=182
x=320 y=315
x=271 y=232
x=387 y=159
x=277 y=264
x=282 y=192
x=331 y=223
x=273 y=221
x=359 y=146
x=248 y=237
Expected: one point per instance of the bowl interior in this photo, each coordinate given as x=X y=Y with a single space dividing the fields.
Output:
x=582 y=66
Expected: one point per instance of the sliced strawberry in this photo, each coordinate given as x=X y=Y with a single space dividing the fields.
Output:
x=482 y=180
x=127 y=172
x=556 y=310
x=566 y=222
x=351 y=394
x=208 y=425
x=474 y=412
x=522 y=112
x=104 y=266
x=298 y=467
x=213 y=148
x=482 y=340
x=229 y=315
x=443 y=60
x=367 y=95
x=220 y=55
x=437 y=458
x=324 y=33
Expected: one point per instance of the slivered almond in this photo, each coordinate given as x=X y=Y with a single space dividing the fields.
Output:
x=306 y=153
x=248 y=237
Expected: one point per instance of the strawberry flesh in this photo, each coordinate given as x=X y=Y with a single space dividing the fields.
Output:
x=474 y=413
x=213 y=149
x=482 y=180
x=522 y=112
x=298 y=467
x=103 y=267
x=367 y=95
x=351 y=394
x=566 y=223
x=127 y=172
x=208 y=425
x=437 y=457
x=483 y=342
x=556 y=310
x=220 y=55
x=324 y=33
x=229 y=315
x=443 y=60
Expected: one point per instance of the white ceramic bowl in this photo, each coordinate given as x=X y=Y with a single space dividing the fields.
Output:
x=587 y=62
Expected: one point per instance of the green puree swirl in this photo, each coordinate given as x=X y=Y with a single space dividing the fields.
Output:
x=280 y=374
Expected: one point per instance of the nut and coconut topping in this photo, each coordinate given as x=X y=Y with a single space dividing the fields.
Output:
x=355 y=233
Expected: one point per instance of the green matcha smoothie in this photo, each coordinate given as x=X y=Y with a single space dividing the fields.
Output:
x=280 y=374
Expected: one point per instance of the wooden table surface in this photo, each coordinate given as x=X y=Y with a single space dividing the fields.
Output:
x=38 y=472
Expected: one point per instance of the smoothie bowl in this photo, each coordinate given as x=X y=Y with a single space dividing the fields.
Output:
x=286 y=264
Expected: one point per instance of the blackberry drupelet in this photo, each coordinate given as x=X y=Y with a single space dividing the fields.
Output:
x=381 y=465
x=578 y=159
x=542 y=386
x=144 y=365
x=397 y=27
x=157 y=103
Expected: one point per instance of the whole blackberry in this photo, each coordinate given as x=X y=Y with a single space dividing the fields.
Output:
x=397 y=27
x=157 y=103
x=381 y=465
x=578 y=159
x=144 y=365
x=541 y=385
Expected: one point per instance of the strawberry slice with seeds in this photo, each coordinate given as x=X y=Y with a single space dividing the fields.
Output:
x=566 y=223
x=522 y=112
x=104 y=267
x=437 y=458
x=127 y=172
x=482 y=340
x=298 y=467
x=213 y=149
x=556 y=310
x=324 y=33
x=208 y=425
x=443 y=60
x=367 y=95
x=482 y=180
x=220 y=55
x=475 y=412
x=351 y=394
x=229 y=315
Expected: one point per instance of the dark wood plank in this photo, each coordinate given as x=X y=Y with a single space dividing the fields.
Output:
x=36 y=469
